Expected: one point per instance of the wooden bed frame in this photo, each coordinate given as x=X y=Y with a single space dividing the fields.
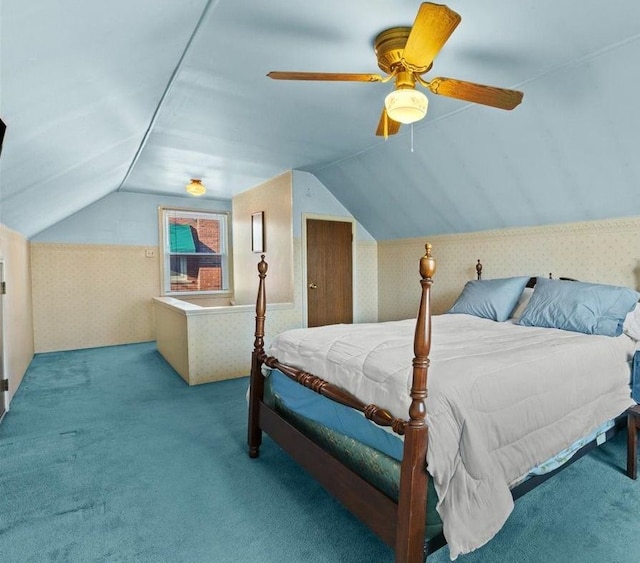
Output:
x=401 y=524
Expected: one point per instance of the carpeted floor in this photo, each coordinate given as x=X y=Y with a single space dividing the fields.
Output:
x=107 y=455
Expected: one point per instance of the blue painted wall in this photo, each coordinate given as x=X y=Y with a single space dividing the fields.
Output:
x=311 y=196
x=127 y=218
x=122 y=218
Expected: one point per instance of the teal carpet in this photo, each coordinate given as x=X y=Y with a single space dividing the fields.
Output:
x=107 y=455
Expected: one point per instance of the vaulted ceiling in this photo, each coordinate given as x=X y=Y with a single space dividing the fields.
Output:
x=141 y=95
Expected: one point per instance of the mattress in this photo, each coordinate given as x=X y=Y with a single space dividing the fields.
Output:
x=502 y=399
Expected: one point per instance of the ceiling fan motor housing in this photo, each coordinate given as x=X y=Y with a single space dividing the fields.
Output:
x=389 y=47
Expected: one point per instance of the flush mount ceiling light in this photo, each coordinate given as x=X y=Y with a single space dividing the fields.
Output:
x=406 y=105
x=195 y=187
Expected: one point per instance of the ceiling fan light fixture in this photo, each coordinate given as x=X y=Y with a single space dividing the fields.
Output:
x=195 y=187
x=406 y=105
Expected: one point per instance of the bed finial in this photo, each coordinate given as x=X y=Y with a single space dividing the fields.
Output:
x=261 y=306
x=479 y=269
x=427 y=263
x=262 y=267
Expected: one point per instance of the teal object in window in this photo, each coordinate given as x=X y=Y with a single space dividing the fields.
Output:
x=181 y=238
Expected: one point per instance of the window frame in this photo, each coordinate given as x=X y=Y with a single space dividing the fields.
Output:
x=164 y=213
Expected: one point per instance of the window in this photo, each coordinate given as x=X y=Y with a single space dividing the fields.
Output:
x=195 y=251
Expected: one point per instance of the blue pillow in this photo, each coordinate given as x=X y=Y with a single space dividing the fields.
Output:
x=490 y=299
x=581 y=307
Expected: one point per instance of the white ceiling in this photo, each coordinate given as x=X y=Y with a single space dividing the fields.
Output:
x=141 y=95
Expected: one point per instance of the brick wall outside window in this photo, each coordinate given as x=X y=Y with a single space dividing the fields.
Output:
x=202 y=270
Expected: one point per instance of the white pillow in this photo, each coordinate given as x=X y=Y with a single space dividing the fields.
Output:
x=631 y=325
x=523 y=301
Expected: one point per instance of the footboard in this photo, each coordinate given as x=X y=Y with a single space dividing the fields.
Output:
x=400 y=525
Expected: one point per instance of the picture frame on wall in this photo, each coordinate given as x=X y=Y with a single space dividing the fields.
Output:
x=257 y=232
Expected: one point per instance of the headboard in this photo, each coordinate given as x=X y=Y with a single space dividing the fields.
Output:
x=530 y=283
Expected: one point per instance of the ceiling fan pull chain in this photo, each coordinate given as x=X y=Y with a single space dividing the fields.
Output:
x=412 y=137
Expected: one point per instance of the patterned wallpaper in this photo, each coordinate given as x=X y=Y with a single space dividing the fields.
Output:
x=595 y=251
x=274 y=198
x=366 y=282
x=92 y=295
x=220 y=343
x=171 y=332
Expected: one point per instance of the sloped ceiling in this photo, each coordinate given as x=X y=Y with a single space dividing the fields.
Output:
x=140 y=95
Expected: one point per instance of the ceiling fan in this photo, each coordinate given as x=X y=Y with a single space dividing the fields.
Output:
x=406 y=53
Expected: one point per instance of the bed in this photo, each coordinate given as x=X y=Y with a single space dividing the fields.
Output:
x=498 y=420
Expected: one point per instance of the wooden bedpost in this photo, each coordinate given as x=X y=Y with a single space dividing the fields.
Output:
x=412 y=501
x=256 y=391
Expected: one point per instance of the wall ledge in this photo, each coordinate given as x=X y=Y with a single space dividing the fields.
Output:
x=189 y=309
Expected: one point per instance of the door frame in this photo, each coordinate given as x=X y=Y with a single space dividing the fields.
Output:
x=3 y=356
x=341 y=219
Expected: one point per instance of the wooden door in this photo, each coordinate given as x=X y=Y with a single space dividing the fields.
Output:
x=329 y=272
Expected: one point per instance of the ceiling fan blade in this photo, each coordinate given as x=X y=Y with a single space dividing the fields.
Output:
x=434 y=24
x=500 y=98
x=334 y=76
x=386 y=125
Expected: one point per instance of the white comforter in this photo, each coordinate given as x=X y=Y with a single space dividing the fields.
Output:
x=502 y=399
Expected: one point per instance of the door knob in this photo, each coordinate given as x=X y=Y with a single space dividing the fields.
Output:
x=313 y=286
